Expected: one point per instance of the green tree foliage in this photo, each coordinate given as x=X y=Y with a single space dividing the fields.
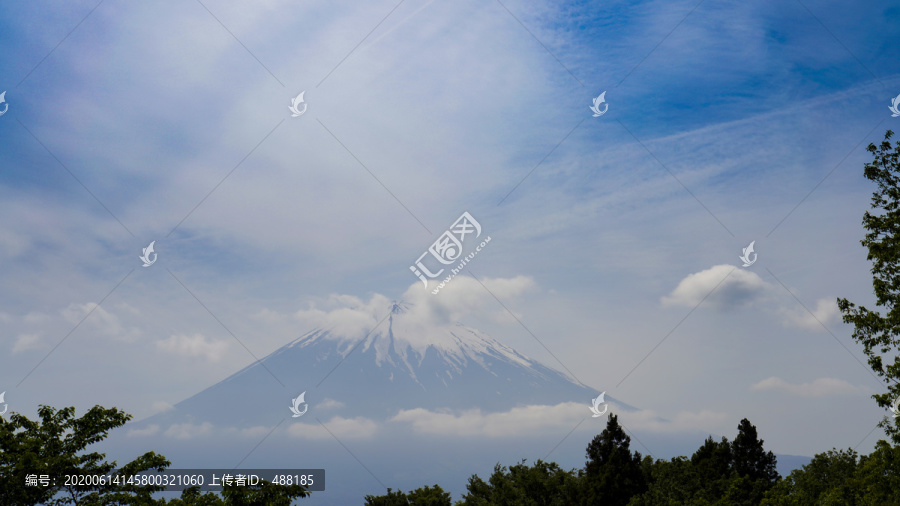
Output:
x=877 y=478
x=880 y=334
x=711 y=471
x=612 y=474
x=826 y=480
x=671 y=483
x=752 y=465
x=424 y=496
x=264 y=494
x=56 y=446
x=543 y=484
x=429 y=496
x=719 y=472
x=840 y=478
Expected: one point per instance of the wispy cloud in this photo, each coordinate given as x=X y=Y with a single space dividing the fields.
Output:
x=342 y=428
x=825 y=313
x=196 y=345
x=819 y=387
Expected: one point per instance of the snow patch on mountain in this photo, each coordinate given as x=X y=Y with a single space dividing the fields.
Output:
x=404 y=342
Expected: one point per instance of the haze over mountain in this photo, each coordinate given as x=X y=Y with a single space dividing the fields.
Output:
x=398 y=366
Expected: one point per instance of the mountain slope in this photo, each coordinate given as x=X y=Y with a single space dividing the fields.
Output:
x=400 y=365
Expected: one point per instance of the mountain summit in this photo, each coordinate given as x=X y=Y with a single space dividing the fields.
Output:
x=376 y=369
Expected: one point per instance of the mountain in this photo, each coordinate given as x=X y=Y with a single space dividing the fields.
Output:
x=373 y=371
x=399 y=365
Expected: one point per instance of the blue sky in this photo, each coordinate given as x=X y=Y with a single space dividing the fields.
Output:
x=722 y=119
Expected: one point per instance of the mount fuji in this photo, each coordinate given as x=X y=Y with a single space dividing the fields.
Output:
x=400 y=364
x=364 y=376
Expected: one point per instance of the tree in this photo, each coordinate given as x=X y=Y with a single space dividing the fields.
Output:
x=429 y=496
x=612 y=474
x=55 y=446
x=877 y=478
x=423 y=496
x=753 y=470
x=263 y=494
x=880 y=335
x=712 y=470
x=719 y=472
x=826 y=480
x=543 y=484
x=670 y=483
x=750 y=459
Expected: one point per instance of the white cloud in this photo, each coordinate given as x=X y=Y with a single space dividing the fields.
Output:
x=464 y=296
x=150 y=430
x=26 y=342
x=103 y=321
x=252 y=432
x=342 y=428
x=352 y=317
x=188 y=430
x=329 y=404
x=826 y=312
x=528 y=420
x=196 y=345
x=817 y=388
x=723 y=286
x=538 y=419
